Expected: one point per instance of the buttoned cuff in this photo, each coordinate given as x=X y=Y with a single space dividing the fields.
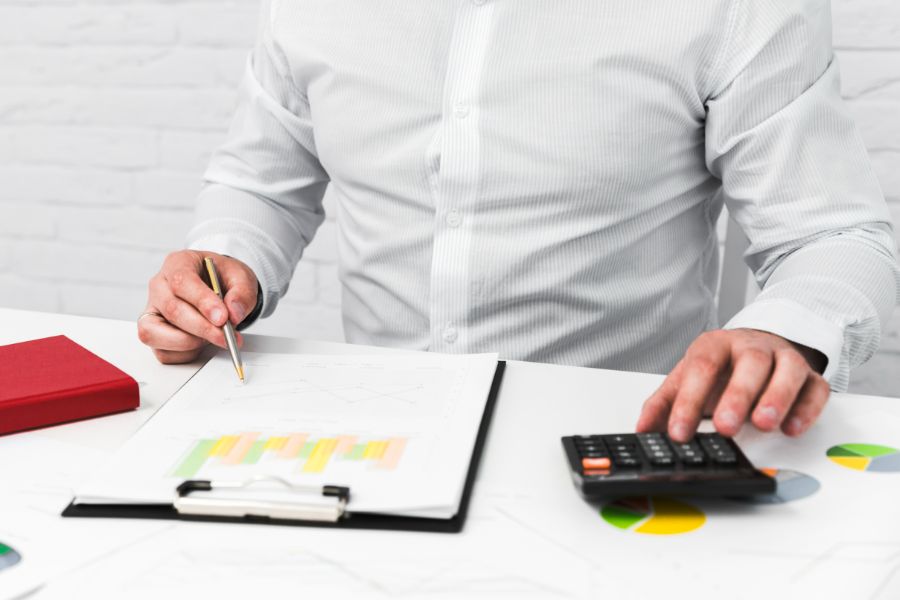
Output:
x=796 y=323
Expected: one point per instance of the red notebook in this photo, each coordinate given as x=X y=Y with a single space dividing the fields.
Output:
x=54 y=380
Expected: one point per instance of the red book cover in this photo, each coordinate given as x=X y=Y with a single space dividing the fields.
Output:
x=54 y=380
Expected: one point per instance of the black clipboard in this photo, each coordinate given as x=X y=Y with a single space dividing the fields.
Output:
x=350 y=520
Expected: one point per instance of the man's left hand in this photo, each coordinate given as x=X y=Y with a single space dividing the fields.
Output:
x=738 y=374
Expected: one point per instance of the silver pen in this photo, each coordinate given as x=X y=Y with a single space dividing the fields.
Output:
x=228 y=329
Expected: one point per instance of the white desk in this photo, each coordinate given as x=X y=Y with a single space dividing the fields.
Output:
x=528 y=534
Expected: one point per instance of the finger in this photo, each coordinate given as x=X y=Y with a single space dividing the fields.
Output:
x=791 y=372
x=185 y=317
x=655 y=412
x=239 y=300
x=185 y=282
x=241 y=288
x=810 y=401
x=706 y=362
x=160 y=335
x=172 y=357
x=748 y=379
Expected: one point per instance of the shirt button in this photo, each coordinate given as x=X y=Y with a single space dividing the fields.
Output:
x=453 y=218
x=461 y=111
x=450 y=335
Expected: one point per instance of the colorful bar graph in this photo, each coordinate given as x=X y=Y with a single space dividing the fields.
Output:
x=392 y=454
x=311 y=454
x=195 y=459
x=293 y=446
x=236 y=455
x=320 y=456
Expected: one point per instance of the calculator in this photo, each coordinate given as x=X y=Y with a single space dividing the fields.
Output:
x=642 y=464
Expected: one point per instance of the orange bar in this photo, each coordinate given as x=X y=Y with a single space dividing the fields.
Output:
x=395 y=448
x=595 y=463
x=293 y=446
x=240 y=449
x=344 y=444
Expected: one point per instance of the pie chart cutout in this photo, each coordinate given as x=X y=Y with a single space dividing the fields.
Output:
x=8 y=557
x=866 y=457
x=653 y=515
x=789 y=486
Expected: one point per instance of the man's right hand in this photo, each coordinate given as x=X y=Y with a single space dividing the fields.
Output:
x=183 y=314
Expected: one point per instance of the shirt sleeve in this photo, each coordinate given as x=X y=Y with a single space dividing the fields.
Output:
x=796 y=177
x=262 y=201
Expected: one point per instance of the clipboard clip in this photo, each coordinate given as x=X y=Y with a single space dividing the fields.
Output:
x=236 y=507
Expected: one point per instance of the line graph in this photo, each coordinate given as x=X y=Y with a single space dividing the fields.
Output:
x=336 y=390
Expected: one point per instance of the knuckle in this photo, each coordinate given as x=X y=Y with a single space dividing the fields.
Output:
x=178 y=279
x=793 y=360
x=171 y=308
x=738 y=395
x=144 y=334
x=777 y=397
x=757 y=355
x=705 y=365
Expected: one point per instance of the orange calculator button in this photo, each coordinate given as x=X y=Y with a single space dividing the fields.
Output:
x=595 y=463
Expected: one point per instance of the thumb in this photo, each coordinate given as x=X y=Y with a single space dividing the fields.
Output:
x=241 y=290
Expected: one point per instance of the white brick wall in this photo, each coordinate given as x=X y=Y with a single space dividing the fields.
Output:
x=109 y=110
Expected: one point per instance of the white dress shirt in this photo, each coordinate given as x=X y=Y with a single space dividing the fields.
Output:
x=543 y=178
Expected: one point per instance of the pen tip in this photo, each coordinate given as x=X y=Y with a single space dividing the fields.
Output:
x=240 y=371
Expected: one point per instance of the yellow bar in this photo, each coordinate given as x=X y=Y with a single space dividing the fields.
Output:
x=367 y=453
x=375 y=450
x=275 y=443
x=240 y=449
x=224 y=445
x=293 y=446
x=320 y=456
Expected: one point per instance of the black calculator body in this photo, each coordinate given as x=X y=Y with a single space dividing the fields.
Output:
x=644 y=464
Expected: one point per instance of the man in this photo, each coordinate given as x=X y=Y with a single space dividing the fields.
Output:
x=543 y=179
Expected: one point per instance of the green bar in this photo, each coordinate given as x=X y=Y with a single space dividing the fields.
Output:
x=4 y=549
x=356 y=453
x=307 y=449
x=196 y=459
x=253 y=454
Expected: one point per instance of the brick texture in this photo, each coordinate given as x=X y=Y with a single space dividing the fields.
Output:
x=109 y=111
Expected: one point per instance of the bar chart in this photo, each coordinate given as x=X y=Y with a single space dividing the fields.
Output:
x=303 y=452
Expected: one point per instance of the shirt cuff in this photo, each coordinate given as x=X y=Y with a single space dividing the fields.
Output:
x=796 y=323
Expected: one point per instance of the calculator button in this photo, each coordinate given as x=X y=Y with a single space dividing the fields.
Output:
x=599 y=454
x=591 y=448
x=662 y=461
x=626 y=462
x=619 y=439
x=724 y=458
x=595 y=463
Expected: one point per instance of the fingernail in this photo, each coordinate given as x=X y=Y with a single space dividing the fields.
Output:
x=216 y=315
x=680 y=431
x=795 y=426
x=239 y=312
x=768 y=415
x=729 y=419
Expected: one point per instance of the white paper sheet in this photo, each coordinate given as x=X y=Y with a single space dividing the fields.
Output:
x=398 y=430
